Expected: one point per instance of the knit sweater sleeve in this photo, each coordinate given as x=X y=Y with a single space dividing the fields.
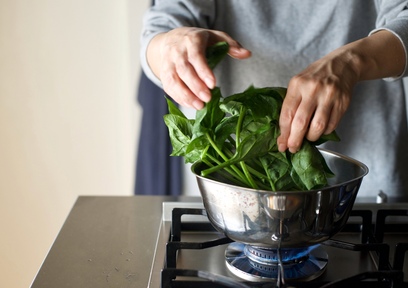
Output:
x=393 y=17
x=166 y=15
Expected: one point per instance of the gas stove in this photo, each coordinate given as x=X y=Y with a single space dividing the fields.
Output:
x=368 y=252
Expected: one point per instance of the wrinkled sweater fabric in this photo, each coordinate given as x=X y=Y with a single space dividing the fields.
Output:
x=285 y=37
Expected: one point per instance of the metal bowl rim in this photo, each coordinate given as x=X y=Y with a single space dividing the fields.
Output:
x=363 y=167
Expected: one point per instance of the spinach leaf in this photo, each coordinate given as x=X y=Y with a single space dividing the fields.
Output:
x=278 y=168
x=308 y=166
x=236 y=137
x=216 y=53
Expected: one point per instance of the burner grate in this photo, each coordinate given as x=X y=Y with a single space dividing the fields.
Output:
x=372 y=236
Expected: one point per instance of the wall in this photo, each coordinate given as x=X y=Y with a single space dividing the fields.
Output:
x=68 y=117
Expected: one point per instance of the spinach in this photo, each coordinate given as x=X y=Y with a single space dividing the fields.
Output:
x=236 y=137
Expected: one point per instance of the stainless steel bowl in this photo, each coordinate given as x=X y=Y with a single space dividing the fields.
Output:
x=284 y=219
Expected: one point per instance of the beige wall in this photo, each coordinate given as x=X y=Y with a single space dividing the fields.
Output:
x=68 y=117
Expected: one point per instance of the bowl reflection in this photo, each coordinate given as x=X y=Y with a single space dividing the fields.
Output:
x=285 y=219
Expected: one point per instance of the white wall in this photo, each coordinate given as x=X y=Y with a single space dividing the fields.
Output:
x=68 y=117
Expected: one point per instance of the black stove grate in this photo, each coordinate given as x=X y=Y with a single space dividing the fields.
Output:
x=372 y=235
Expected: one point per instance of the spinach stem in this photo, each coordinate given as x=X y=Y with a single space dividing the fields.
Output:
x=238 y=141
x=239 y=126
x=256 y=173
x=230 y=171
x=222 y=165
x=251 y=169
x=273 y=187
x=248 y=175
x=225 y=158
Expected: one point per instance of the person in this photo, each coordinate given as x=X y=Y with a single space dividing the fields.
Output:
x=343 y=64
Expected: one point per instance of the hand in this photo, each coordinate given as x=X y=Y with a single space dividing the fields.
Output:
x=178 y=59
x=319 y=96
x=316 y=100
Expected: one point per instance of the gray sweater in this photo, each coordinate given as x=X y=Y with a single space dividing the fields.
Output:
x=285 y=37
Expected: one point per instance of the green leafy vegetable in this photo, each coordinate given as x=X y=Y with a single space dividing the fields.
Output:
x=216 y=53
x=236 y=136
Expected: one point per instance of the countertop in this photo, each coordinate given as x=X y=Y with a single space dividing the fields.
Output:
x=105 y=242
x=110 y=242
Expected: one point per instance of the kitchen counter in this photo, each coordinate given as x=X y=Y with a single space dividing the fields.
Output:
x=111 y=242
x=105 y=242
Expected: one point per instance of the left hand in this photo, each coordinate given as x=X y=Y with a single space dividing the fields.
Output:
x=318 y=97
x=316 y=100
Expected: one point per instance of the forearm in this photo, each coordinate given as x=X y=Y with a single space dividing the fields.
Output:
x=318 y=96
x=380 y=55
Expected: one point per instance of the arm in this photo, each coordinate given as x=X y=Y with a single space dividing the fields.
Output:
x=177 y=58
x=319 y=96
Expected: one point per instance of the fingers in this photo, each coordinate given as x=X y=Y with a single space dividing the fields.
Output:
x=311 y=108
x=175 y=78
x=289 y=108
x=184 y=72
x=196 y=78
x=236 y=50
x=200 y=78
x=319 y=122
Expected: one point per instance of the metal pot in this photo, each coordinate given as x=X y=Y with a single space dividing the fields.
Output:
x=284 y=219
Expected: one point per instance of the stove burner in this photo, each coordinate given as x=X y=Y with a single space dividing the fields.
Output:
x=271 y=256
x=257 y=264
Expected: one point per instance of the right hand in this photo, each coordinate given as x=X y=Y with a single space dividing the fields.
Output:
x=177 y=58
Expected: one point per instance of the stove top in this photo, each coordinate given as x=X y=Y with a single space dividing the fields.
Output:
x=370 y=251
